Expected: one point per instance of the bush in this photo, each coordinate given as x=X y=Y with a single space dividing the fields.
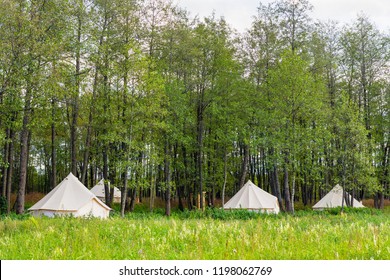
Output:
x=219 y=214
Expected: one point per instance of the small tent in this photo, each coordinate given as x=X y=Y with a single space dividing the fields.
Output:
x=70 y=197
x=334 y=198
x=251 y=197
x=98 y=190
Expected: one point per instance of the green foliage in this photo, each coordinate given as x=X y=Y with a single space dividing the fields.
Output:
x=218 y=214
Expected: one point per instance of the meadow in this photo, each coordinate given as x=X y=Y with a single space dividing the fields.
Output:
x=211 y=235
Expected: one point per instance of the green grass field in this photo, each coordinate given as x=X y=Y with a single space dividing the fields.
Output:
x=210 y=235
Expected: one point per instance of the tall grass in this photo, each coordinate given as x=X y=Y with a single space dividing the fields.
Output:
x=211 y=235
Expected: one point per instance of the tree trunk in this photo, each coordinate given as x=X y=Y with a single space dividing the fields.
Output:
x=24 y=146
x=276 y=184
x=105 y=177
x=244 y=166
x=343 y=179
x=293 y=193
x=287 y=190
x=124 y=193
x=86 y=152
x=19 y=206
x=75 y=102
x=73 y=138
x=305 y=193
x=10 y=170
x=152 y=188
x=382 y=200
x=5 y=168
x=53 y=177
x=199 y=162
x=186 y=188
x=133 y=196
x=167 y=175
x=224 y=177
x=379 y=200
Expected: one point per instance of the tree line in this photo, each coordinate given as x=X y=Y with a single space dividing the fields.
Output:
x=163 y=104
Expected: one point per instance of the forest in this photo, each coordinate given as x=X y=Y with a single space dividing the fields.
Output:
x=162 y=104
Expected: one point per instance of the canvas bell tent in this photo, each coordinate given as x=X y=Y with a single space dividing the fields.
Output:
x=251 y=197
x=334 y=198
x=70 y=197
x=98 y=190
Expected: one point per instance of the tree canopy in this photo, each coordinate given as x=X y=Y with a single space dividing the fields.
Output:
x=161 y=104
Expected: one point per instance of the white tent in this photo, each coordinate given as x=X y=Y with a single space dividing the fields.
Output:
x=98 y=190
x=251 y=197
x=334 y=198
x=70 y=197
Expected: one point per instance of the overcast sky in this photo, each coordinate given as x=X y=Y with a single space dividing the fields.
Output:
x=239 y=13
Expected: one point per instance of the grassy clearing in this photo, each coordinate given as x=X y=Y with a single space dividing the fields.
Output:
x=211 y=235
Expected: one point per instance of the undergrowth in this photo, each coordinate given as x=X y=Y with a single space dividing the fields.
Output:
x=214 y=234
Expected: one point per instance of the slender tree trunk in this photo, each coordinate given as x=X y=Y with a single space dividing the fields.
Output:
x=124 y=144
x=105 y=177
x=186 y=187
x=152 y=190
x=112 y=174
x=287 y=190
x=87 y=149
x=75 y=100
x=276 y=183
x=53 y=177
x=167 y=175
x=293 y=193
x=244 y=166
x=19 y=206
x=24 y=141
x=5 y=168
x=224 y=177
x=259 y=170
x=133 y=196
x=73 y=138
x=10 y=170
x=382 y=200
x=180 y=194
x=89 y=127
x=124 y=193
x=304 y=194
x=200 y=125
x=178 y=179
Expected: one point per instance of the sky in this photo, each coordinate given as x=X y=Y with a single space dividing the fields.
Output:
x=239 y=13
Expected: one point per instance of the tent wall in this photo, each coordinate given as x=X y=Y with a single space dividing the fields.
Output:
x=51 y=213
x=93 y=208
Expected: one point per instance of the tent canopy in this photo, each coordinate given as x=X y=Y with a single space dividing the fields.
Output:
x=334 y=198
x=99 y=191
x=252 y=197
x=72 y=197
